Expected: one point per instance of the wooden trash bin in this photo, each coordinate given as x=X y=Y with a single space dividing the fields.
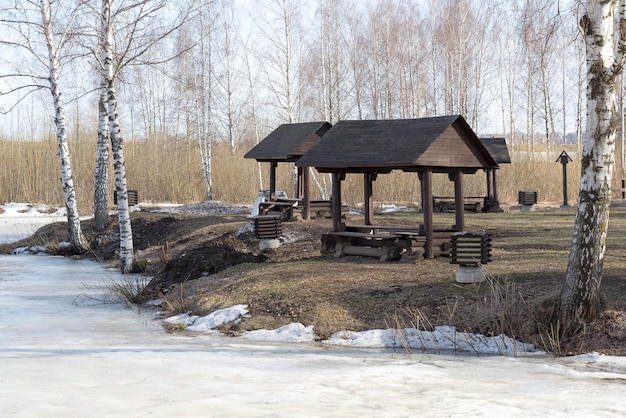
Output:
x=526 y=197
x=133 y=197
x=267 y=227
x=470 y=248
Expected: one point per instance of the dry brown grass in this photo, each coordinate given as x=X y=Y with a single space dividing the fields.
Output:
x=529 y=259
x=168 y=170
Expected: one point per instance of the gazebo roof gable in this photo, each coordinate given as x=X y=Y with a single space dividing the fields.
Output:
x=498 y=149
x=445 y=141
x=288 y=142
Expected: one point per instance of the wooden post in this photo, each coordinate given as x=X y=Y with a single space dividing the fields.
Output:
x=273 y=165
x=495 y=185
x=427 y=198
x=307 y=194
x=368 y=191
x=565 y=184
x=337 y=176
x=564 y=159
x=459 y=211
x=300 y=191
x=489 y=192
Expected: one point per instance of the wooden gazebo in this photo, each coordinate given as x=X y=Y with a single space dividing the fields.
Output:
x=288 y=143
x=500 y=153
x=445 y=144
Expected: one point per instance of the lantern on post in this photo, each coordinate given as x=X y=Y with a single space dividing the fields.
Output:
x=564 y=159
x=470 y=250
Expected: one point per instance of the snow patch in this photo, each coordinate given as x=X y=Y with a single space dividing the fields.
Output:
x=291 y=333
x=443 y=338
x=212 y=320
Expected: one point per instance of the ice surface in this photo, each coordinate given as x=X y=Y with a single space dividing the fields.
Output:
x=66 y=353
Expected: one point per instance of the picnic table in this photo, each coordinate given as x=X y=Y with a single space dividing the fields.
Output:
x=281 y=208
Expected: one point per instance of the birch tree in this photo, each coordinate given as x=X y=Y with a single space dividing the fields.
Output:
x=101 y=189
x=603 y=24
x=202 y=83
x=73 y=220
x=119 y=47
x=108 y=77
x=55 y=36
x=281 y=62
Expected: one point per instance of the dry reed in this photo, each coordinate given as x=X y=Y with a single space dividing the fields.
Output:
x=168 y=170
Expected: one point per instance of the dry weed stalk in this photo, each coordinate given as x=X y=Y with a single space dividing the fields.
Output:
x=30 y=175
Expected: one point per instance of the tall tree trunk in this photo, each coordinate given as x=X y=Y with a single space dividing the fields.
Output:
x=126 y=232
x=119 y=166
x=205 y=105
x=101 y=190
x=73 y=220
x=579 y=300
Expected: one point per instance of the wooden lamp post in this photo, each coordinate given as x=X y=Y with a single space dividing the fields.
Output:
x=564 y=159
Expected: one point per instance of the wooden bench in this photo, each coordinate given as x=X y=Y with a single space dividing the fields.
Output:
x=447 y=205
x=383 y=246
x=278 y=208
x=386 y=242
x=318 y=209
x=375 y=229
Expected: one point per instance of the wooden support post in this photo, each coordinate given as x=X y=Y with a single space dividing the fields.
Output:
x=300 y=186
x=307 y=194
x=489 y=191
x=459 y=211
x=427 y=198
x=495 y=185
x=273 y=166
x=337 y=176
x=368 y=191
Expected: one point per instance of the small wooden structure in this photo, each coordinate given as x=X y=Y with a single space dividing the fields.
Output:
x=267 y=227
x=444 y=144
x=500 y=153
x=527 y=197
x=133 y=197
x=288 y=143
x=471 y=248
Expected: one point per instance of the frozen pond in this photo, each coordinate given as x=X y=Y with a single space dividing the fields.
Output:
x=61 y=355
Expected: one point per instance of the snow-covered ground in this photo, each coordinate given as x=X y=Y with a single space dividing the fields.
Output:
x=65 y=353
x=20 y=220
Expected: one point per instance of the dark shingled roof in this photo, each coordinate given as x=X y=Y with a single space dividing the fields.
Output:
x=445 y=142
x=498 y=150
x=288 y=142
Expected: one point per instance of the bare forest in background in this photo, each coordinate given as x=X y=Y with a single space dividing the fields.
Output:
x=513 y=69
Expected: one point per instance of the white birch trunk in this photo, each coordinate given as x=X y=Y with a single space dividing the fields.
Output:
x=101 y=190
x=73 y=220
x=123 y=213
x=579 y=300
x=126 y=232
x=205 y=141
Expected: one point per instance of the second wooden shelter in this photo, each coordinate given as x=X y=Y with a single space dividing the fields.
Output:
x=286 y=144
